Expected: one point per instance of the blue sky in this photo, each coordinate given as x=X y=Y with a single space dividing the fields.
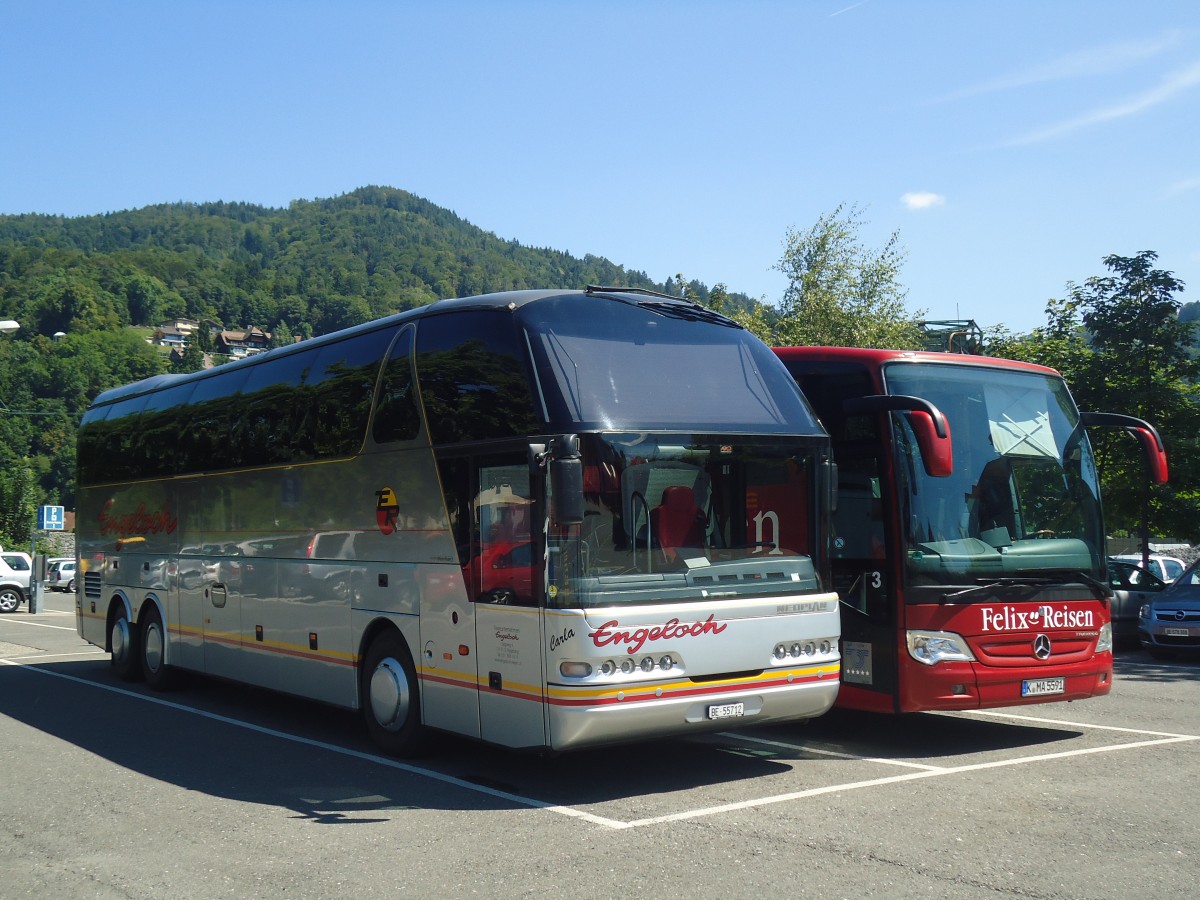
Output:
x=1012 y=145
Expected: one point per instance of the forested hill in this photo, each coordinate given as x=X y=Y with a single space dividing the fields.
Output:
x=312 y=268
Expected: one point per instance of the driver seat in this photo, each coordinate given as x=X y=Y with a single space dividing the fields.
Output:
x=677 y=521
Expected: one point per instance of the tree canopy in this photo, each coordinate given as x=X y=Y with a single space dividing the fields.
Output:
x=1119 y=341
x=839 y=292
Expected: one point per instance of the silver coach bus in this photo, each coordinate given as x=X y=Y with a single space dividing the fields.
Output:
x=544 y=519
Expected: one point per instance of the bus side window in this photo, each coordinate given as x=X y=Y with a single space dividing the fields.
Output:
x=396 y=414
x=339 y=389
x=474 y=380
x=502 y=566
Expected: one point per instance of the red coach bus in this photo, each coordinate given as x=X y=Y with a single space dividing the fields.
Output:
x=968 y=544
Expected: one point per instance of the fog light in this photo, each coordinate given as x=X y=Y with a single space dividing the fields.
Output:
x=608 y=668
x=826 y=646
x=810 y=648
x=627 y=666
x=780 y=651
x=794 y=650
x=666 y=663
x=647 y=664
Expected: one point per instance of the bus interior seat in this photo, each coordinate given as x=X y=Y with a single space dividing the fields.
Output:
x=677 y=521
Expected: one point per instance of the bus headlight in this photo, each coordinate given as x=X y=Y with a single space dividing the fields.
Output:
x=1104 y=642
x=932 y=647
x=575 y=669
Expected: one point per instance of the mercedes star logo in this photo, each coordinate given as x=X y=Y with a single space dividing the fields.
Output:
x=1041 y=647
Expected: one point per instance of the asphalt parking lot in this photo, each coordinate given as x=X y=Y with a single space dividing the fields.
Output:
x=217 y=790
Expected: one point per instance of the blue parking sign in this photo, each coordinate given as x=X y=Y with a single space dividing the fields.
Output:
x=50 y=518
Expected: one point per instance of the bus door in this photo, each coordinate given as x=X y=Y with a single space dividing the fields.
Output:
x=504 y=582
x=222 y=619
x=862 y=577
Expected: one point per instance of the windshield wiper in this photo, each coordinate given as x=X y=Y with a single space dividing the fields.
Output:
x=664 y=305
x=1004 y=587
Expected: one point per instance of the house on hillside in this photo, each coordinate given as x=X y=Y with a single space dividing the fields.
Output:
x=175 y=334
x=239 y=344
x=167 y=336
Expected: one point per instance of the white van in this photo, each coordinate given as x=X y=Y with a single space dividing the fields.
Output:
x=1167 y=568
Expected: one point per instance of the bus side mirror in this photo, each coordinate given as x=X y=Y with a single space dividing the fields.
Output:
x=936 y=451
x=1147 y=435
x=566 y=480
x=929 y=426
x=1156 y=454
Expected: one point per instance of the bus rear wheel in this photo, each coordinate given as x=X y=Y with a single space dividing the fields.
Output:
x=123 y=644
x=391 y=698
x=155 y=670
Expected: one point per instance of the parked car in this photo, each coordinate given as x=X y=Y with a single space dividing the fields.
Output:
x=62 y=576
x=15 y=569
x=1167 y=568
x=52 y=565
x=1170 y=621
x=1132 y=586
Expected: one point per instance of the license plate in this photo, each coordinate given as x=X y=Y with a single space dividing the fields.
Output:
x=727 y=711
x=1040 y=687
x=1178 y=632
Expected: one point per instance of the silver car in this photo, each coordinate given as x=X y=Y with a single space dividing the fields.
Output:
x=1132 y=587
x=1170 y=622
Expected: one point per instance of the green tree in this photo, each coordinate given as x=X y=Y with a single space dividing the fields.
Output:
x=841 y=293
x=1119 y=342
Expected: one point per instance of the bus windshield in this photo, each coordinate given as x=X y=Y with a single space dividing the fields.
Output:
x=1023 y=499
x=674 y=375
x=673 y=518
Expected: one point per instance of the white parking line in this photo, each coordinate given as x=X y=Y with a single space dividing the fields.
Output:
x=11 y=621
x=924 y=771
x=876 y=782
x=1041 y=721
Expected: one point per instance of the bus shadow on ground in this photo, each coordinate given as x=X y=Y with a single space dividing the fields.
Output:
x=923 y=737
x=262 y=747
x=258 y=746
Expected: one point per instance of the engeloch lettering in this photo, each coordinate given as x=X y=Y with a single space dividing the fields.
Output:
x=609 y=632
x=1010 y=618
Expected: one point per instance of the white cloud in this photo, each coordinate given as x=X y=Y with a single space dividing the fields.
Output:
x=848 y=8
x=1173 y=84
x=1086 y=63
x=922 y=200
x=1188 y=184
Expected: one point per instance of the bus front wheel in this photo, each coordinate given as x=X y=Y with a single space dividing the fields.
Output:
x=391 y=697
x=123 y=644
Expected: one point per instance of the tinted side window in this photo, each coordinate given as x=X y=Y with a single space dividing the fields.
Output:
x=339 y=391
x=214 y=410
x=162 y=423
x=474 y=381
x=91 y=450
x=271 y=408
x=396 y=414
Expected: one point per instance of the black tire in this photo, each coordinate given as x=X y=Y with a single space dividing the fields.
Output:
x=391 y=697
x=71 y=586
x=10 y=599
x=125 y=656
x=153 y=646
